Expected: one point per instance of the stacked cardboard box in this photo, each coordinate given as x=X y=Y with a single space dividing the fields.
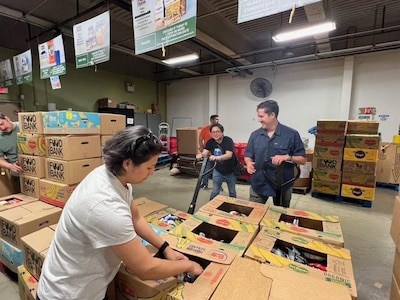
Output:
x=359 y=160
x=328 y=155
x=395 y=233
x=388 y=166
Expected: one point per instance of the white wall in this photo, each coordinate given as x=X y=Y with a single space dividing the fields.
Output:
x=306 y=92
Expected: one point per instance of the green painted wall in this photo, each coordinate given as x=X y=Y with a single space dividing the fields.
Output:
x=80 y=89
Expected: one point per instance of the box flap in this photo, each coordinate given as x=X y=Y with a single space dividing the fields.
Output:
x=147 y=206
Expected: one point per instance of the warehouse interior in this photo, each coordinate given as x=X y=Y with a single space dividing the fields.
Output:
x=347 y=74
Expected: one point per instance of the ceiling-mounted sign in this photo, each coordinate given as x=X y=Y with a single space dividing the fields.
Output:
x=52 y=58
x=6 y=74
x=159 y=23
x=254 y=9
x=23 y=67
x=92 y=41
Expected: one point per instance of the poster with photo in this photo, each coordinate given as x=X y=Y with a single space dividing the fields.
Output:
x=52 y=58
x=23 y=67
x=160 y=23
x=55 y=82
x=92 y=41
x=6 y=75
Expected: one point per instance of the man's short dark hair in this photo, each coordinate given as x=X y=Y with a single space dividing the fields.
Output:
x=213 y=117
x=269 y=106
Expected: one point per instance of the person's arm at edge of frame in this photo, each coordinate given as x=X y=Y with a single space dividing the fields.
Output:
x=135 y=255
x=12 y=167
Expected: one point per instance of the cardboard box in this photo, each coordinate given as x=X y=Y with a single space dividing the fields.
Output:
x=358 y=154
x=70 y=172
x=25 y=219
x=364 y=141
x=362 y=127
x=359 y=179
x=71 y=122
x=31 y=144
x=15 y=200
x=333 y=263
x=111 y=123
x=332 y=164
x=32 y=165
x=395 y=226
x=215 y=263
x=73 y=147
x=309 y=224
x=188 y=140
x=106 y=102
x=329 y=140
x=11 y=256
x=35 y=248
x=55 y=193
x=331 y=126
x=388 y=167
x=30 y=122
x=358 y=192
x=305 y=177
x=396 y=265
x=237 y=209
x=327 y=175
x=28 y=285
x=147 y=206
x=104 y=139
x=7 y=185
x=216 y=231
x=328 y=152
x=29 y=185
x=167 y=218
x=248 y=279
x=326 y=187
x=362 y=167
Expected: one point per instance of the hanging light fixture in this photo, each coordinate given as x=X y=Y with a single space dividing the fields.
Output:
x=181 y=59
x=303 y=32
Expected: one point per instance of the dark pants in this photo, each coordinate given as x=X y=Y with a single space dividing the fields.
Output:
x=105 y=298
x=286 y=197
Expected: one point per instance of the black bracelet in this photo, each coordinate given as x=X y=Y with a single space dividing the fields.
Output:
x=163 y=247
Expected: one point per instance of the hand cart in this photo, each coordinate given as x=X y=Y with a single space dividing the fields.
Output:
x=278 y=184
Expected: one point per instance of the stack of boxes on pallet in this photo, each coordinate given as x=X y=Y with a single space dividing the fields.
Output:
x=232 y=239
x=359 y=160
x=188 y=147
x=328 y=155
x=395 y=233
x=345 y=158
x=57 y=150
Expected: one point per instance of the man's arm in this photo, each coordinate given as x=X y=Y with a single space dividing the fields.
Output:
x=12 y=167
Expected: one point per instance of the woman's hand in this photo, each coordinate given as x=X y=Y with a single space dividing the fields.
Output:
x=171 y=254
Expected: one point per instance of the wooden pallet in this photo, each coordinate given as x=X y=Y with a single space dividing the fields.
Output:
x=340 y=199
x=301 y=189
x=394 y=186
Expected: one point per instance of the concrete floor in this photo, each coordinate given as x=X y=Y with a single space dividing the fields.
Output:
x=366 y=230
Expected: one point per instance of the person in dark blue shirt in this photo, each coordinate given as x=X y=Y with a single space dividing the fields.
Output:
x=274 y=143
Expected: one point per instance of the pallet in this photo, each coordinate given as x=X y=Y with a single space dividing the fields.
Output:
x=301 y=189
x=394 y=186
x=163 y=159
x=340 y=199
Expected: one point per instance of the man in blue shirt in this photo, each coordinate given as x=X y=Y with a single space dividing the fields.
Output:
x=273 y=143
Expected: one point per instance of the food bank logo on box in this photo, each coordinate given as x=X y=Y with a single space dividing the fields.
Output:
x=56 y=170
x=55 y=147
x=8 y=231
x=29 y=122
x=28 y=185
x=29 y=165
x=33 y=262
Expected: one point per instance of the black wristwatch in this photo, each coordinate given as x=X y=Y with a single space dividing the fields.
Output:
x=160 y=252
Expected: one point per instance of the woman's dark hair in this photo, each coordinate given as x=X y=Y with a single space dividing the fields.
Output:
x=217 y=125
x=136 y=143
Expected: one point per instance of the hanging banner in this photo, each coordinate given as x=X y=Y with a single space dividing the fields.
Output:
x=254 y=9
x=161 y=23
x=52 y=58
x=6 y=76
x=92 y=41
x=23 y=67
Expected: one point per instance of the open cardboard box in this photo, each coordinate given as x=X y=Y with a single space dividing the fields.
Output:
x=15 y=200
x=167 y=218
x=216 y=231
x=233 y=208
x=248 y=279
x=214 y=261
x=313 y=225
x=147 y=206
x=330 y=263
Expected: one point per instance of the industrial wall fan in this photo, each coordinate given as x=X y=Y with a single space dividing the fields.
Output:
x=261 y=87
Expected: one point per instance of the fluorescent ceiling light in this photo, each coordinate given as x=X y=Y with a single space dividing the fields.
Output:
x=299 y=33
x=181 y=59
